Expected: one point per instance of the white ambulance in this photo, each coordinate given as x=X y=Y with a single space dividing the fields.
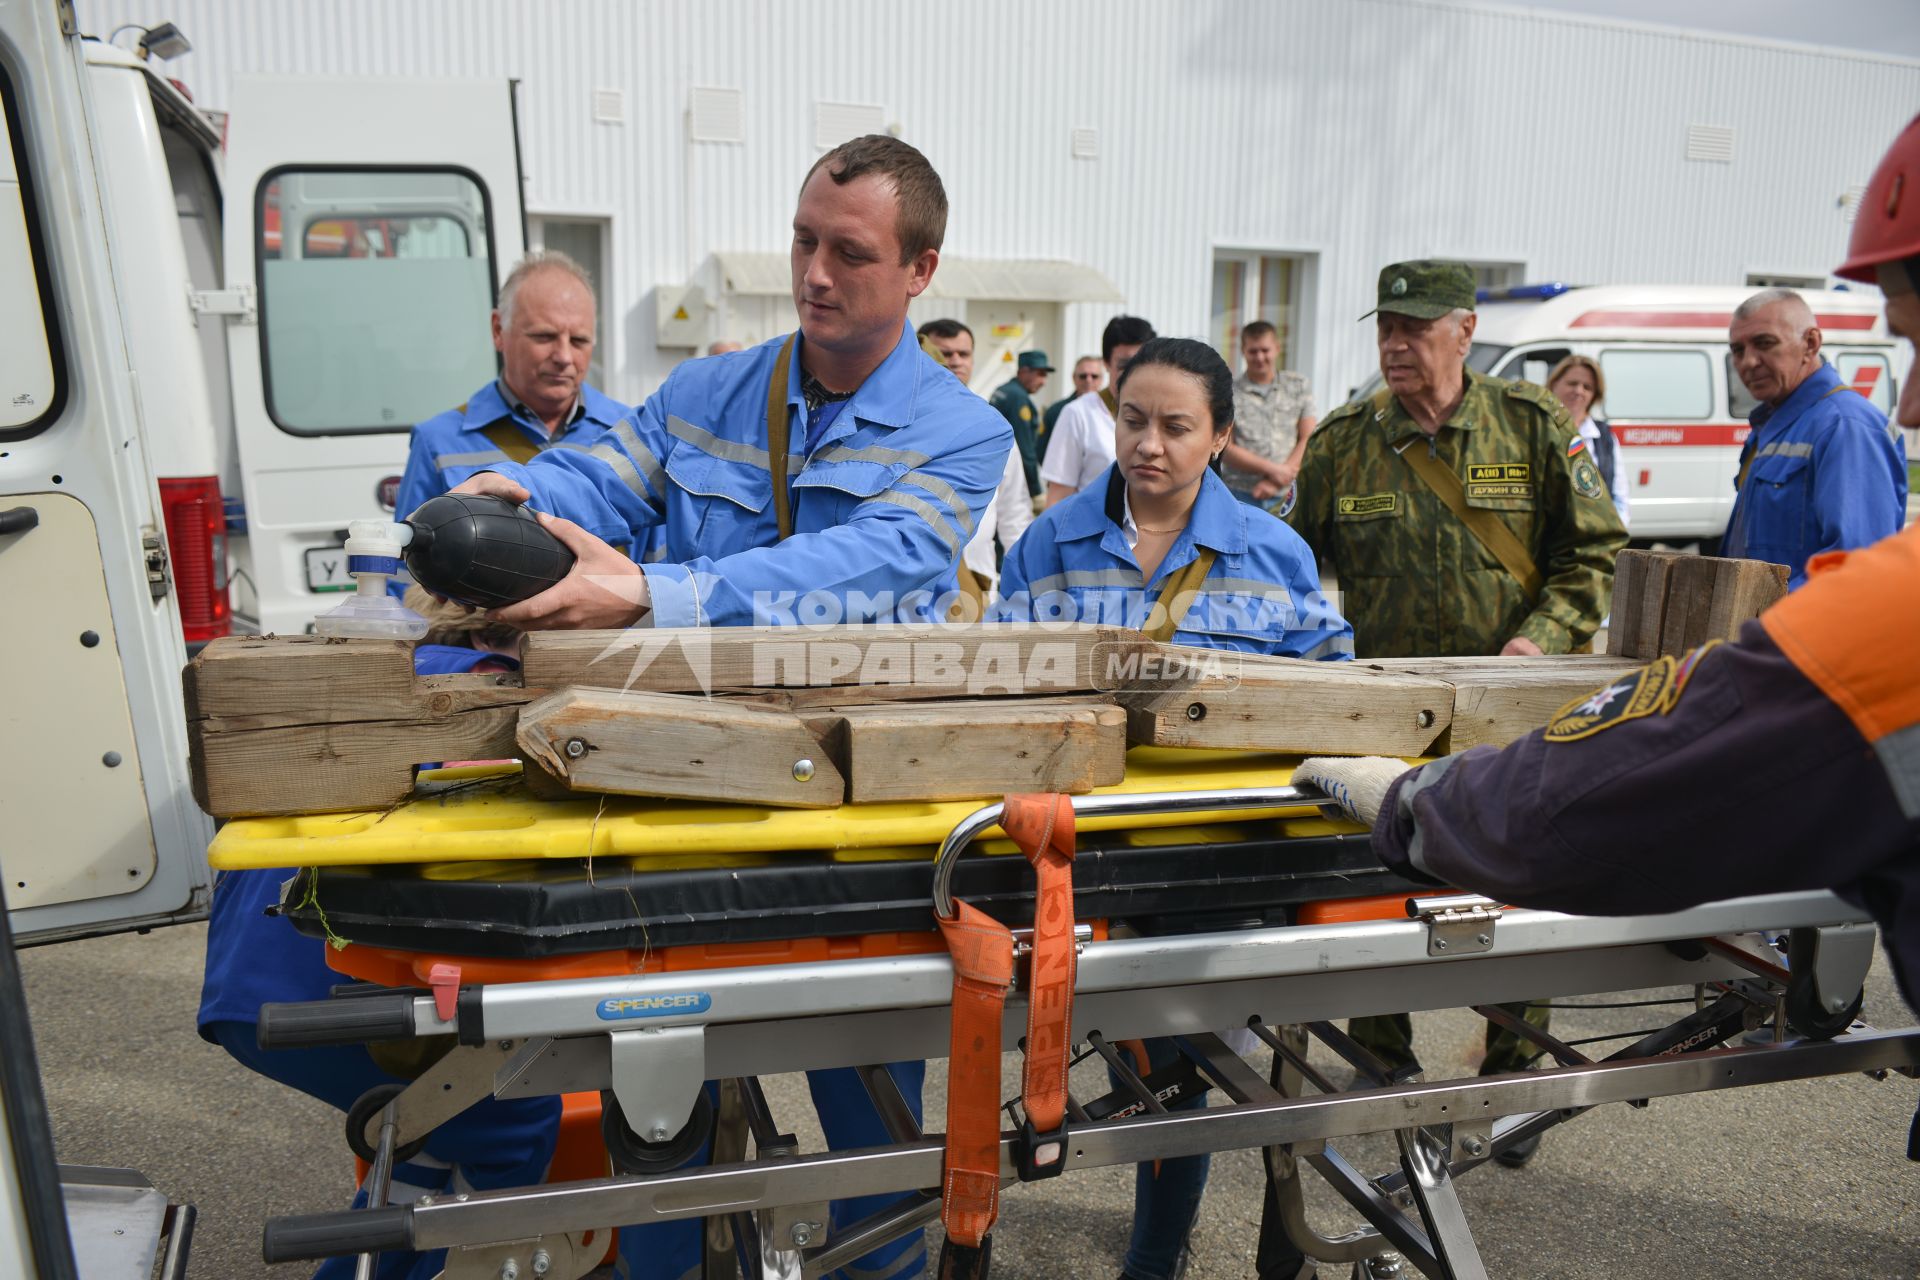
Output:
x=1676 y=406
x=212 y=357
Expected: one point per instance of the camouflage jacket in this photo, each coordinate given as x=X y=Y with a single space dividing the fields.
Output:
x=1416 y=581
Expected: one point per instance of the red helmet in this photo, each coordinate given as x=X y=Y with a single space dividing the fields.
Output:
x=1886 y=225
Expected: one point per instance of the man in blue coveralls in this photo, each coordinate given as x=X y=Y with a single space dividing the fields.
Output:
x=543 y=329
x=831 y=475
x=1822 y=470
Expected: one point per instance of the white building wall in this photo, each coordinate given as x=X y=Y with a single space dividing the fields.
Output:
x=1362 y=131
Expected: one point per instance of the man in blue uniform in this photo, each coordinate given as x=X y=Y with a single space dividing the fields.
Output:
x=880 y=461
x=543 y=329
x=1822 y=470
x=832 y=475
x=1014 y=400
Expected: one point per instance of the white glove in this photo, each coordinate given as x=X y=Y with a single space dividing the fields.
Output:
x=1358 y=784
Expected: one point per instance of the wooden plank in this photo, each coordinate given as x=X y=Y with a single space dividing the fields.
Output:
x=663 y=744
x=285 y=760
x=1709 y=598
x=1496 y=700
x=960 y=750
x=1257 y=703
x=976 y=660
x=1639 y=602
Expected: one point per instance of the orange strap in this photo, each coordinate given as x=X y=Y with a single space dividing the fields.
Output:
x=982 y=951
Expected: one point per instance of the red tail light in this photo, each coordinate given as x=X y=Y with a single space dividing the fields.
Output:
x=197 y=548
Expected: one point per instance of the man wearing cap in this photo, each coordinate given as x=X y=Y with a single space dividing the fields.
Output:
x=1014 y=400
x=1462 y=515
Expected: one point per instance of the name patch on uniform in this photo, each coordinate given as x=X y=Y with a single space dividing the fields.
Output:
x=1368 y=504
x=1499 y=480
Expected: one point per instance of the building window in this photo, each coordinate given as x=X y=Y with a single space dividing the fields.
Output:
x=1784 y=280
x=585 y=240
x=1258 y=286
x=375 y=288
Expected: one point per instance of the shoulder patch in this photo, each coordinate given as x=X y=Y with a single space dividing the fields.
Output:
x=1026 y=413
x=1683 y=670
x=1533 y=393
x=1631 y=697
x=1586 y=479
x=1575 y=445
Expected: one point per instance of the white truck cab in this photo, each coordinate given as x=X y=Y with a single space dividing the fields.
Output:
x=215 y=354
x=1676 y=406
x=215 y=347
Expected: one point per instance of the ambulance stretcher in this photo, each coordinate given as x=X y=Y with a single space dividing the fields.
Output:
x=723 y=943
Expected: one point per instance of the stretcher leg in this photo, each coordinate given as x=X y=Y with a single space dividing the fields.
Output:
x=1424 y=1154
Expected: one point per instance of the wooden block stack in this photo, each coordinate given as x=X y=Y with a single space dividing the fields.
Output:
x=823 y=717
x=1668 y=603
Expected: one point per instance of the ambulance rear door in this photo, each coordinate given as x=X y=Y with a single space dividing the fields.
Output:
x=98 y=829
x=368 y=223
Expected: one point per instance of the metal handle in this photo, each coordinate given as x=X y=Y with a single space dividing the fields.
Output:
x=19 y=519
x=976 y=823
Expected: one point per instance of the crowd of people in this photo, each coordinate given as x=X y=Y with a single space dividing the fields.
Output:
x=849 y=462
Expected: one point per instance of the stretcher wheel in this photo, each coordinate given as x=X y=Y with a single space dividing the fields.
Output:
x=633 y=1154
x=364 y=1115
x=1807 y=1011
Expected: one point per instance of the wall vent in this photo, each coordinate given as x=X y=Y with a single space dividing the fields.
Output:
x=1086 y=144
x=609 y=107
x=716 y=115
x=1711 y=143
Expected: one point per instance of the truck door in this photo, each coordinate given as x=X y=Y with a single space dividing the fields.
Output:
x=98 y=831
x=369 y=223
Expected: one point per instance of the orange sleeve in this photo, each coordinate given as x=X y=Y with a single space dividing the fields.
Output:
x=1854 y=631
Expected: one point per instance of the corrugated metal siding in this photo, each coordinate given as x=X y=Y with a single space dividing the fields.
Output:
x=1362 y=132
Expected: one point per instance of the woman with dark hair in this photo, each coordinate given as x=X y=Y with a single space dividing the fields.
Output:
x=1160 y=543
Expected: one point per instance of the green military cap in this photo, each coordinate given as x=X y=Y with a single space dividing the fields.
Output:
x=1426 y=290
x=1035 y=360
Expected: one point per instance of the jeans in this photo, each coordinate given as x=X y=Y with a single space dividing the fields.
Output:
x=1166 y=1193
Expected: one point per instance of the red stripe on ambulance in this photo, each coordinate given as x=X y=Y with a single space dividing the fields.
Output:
x=1731 y=434
x=1699 y=320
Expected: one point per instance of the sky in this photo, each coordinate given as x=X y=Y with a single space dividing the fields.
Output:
x=1878 y=26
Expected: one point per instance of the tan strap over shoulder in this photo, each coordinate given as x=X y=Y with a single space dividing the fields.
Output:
x=1483 y=524
x=778 y=432
x=510 y=440
x=1176 y=597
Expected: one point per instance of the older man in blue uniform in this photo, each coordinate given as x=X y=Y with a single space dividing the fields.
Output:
x=543 y=329
x=1822 y=471
x=833 y=474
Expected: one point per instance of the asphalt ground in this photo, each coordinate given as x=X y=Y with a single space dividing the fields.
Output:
x=1802 y=1179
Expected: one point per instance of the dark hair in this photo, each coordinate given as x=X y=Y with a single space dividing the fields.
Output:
x=947 y=329
x=1196 y=358
x=1124 y=331
x=919 y=199
x=1259 y=329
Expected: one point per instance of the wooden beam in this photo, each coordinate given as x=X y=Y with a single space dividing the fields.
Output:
x=896 y=662
x=962 y=750
x=1639 y=602
x=664 y=744
x=1710 y=598
x=1496 y=700
x=306 y=724
x=1251 y=702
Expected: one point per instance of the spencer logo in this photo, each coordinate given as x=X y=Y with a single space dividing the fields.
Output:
x=655 y=1006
